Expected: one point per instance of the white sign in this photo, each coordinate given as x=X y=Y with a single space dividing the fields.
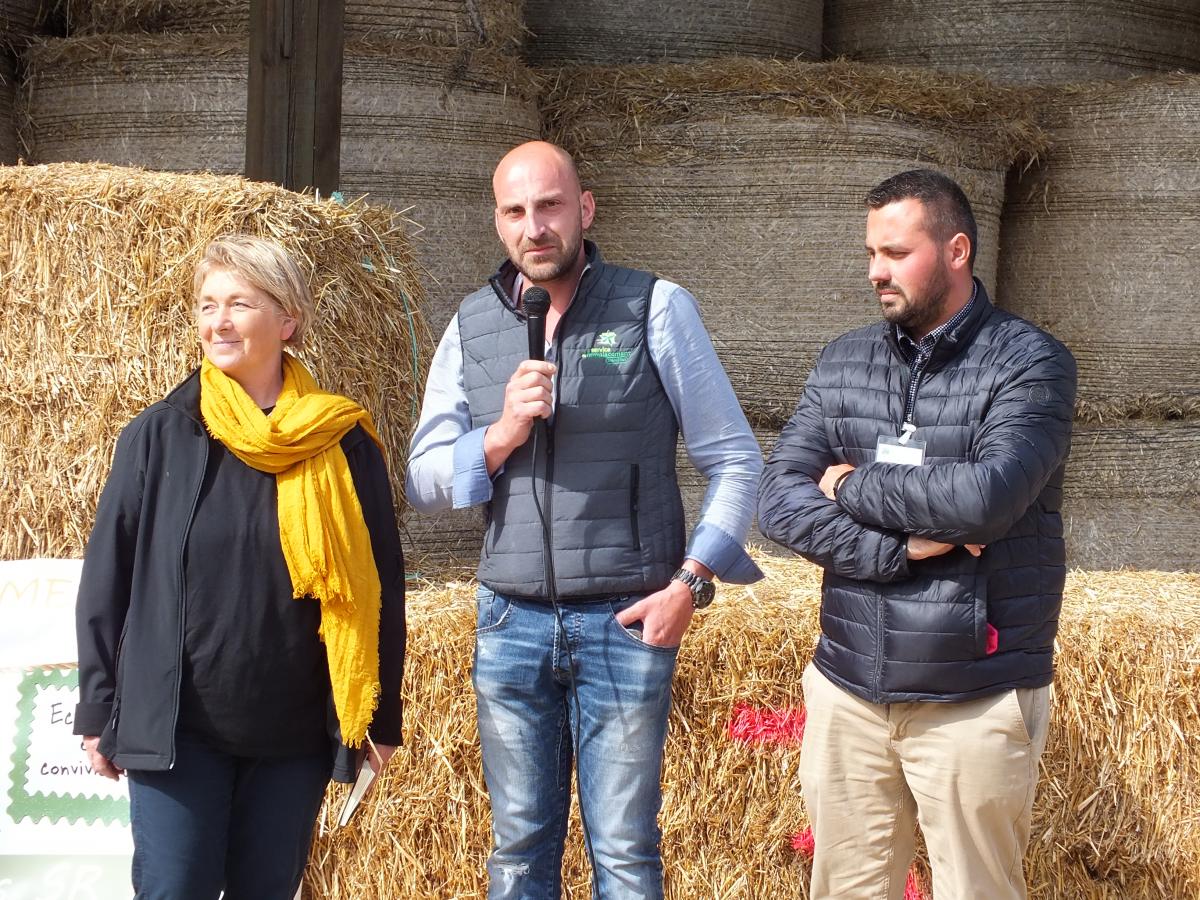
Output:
x=64 y=831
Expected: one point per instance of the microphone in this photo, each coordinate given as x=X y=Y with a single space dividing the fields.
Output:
x=537 y=303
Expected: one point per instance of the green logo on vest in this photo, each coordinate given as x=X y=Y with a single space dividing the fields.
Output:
x=605 y=348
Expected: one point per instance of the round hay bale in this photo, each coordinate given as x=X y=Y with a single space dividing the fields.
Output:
x=174 y=103
x=1034 y=41
x=1100 y=238
x=1132 y=496
x=20 y=19
x=1114 y=815
x=422 y=130
x=8 y=125
x=615 y=32
x=493 y=23
x=743 y=180
x=97 y=326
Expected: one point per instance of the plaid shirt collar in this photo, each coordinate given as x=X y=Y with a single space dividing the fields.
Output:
x=924 y=347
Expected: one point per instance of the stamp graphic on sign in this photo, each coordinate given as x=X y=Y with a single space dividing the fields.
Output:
x=50 y=777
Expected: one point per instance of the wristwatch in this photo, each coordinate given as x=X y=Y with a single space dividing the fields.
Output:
x=702 y=589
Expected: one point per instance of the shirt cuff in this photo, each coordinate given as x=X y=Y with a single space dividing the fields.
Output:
x=727 y=558
x=471 y=485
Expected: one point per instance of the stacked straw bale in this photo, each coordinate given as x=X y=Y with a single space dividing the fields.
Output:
x=744 y=181
x=97 y=264
x=1115 y=814
x=8 y=125
x=1119 y=509
x=616 y=32
x=432 y=153
x=168 y=102
x=494 y=23
x=19 y=20
x=1098 y=242
x=1132 y=495
x=1099 y=239
x=1033 y=41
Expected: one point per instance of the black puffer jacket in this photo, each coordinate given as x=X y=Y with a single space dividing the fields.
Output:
x=994 y=408
x=129 y=612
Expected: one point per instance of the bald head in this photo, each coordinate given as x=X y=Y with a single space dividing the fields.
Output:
x=542 y=212
x=541 y=157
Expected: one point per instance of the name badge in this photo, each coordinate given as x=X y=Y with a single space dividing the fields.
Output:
x=901 y=451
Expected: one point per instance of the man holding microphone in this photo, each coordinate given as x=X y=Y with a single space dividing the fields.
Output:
x=588 y=581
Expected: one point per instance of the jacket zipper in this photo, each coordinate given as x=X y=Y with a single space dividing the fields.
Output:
x=115 y=716
x=183 y=599
x=907 y=428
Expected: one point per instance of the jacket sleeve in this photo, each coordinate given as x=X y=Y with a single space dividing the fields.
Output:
x=792 y=510
x=107 y=579
x=1022 y=441
x=369 y=471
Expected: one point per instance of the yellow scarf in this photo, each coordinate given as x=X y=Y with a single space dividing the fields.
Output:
x=321 y=528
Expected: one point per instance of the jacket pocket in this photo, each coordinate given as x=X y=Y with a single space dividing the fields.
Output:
x=981 y=613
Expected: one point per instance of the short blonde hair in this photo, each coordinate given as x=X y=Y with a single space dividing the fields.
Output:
x=268 y=267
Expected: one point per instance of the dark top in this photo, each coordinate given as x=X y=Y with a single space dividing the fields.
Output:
x=239 y=693
x=994 y=408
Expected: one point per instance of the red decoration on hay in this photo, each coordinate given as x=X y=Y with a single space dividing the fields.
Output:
x=913 y=889
x=763 y=725
x=802 y=842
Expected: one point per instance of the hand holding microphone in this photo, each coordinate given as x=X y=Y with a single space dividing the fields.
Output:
x=528 y=396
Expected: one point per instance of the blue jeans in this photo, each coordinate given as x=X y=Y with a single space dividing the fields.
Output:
x=523 y=696
x=217 y=822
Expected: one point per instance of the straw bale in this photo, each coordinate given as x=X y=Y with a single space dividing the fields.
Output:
x=1034 y=41
x=422 y=128
x=744 y=181
x=422 y=133
x=1099 y=237
x=1115 y=814
x=614 y=32
x=8 y=126
x=174 y=103
x=19 y=20
x=95 y=265
x=493 y=23
x=1131 y=496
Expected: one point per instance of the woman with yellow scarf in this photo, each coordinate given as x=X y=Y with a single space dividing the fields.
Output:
x=241 y=609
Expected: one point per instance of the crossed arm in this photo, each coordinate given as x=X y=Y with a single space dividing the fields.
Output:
x=868 y=522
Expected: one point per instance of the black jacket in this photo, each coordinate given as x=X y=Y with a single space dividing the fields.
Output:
x=995 y=408
x=129 y=612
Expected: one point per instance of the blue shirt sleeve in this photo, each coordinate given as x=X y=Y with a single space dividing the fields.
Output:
x=715 y=432
x=446 y=465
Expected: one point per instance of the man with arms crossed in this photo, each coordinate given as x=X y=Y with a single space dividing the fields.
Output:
x=628 y=366
x=923 y=471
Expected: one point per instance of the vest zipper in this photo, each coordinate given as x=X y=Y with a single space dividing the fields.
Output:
x=634 y=477
x=547 y=494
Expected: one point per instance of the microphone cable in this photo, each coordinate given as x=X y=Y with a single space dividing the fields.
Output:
x=537 y=351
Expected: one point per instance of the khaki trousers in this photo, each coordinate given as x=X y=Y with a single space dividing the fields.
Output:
x=966 y=771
